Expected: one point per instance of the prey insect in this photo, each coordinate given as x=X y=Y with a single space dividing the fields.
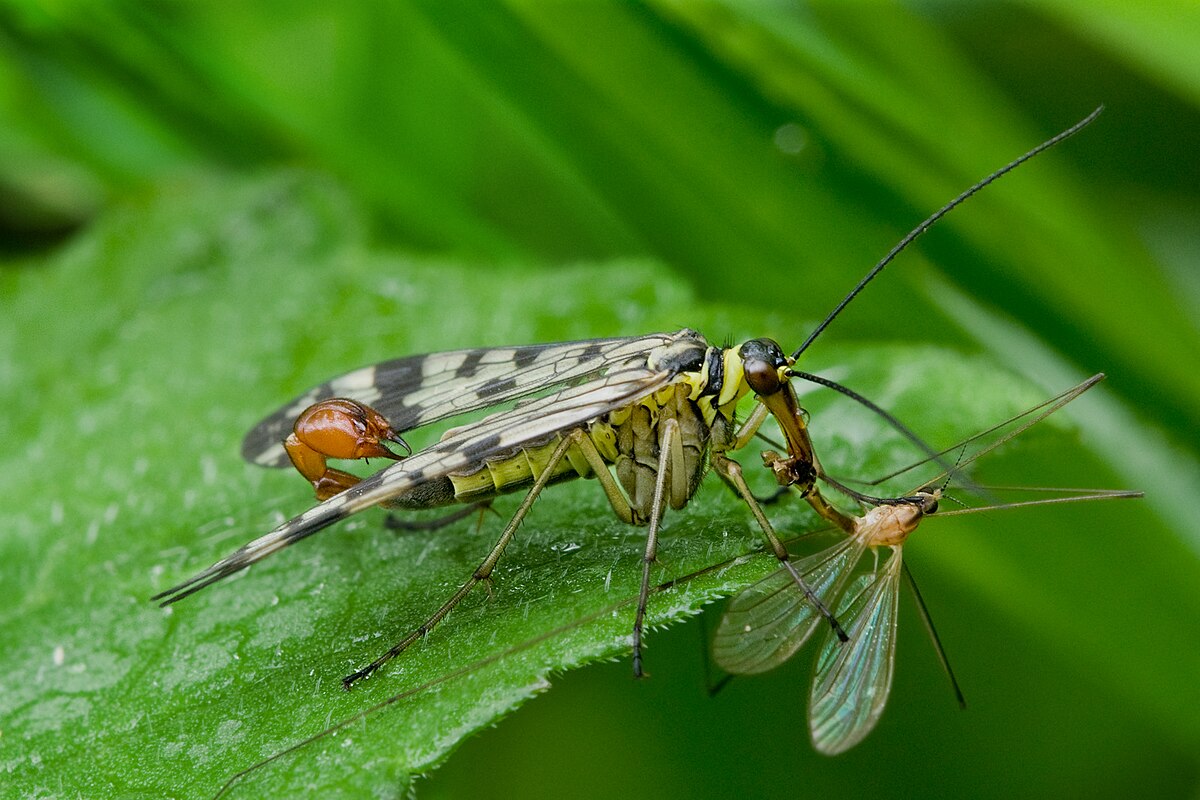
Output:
x=647 y=417
x=768 y=622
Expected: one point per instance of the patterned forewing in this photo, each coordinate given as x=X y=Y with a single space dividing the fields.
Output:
x=853 y=679
x=418 y=390
x=772 y=619
x=502 y=433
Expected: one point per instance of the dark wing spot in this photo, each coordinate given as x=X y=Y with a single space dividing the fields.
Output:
x=495 y=387
x=399 y=373
x=526 y=356
x=471 y=363
x=593 y=350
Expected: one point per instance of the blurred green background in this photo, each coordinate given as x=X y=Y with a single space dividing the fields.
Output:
x=764 y=155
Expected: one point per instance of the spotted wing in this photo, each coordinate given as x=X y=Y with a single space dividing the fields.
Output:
x=530 y=423
x=417 y=390
x=852 y=680
x=772 y=619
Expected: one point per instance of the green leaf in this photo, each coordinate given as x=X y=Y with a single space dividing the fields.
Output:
x=141 y=353
x=709 y=154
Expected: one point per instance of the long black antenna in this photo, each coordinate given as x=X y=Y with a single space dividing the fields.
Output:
x=890 y=419
x=887 y=416
x=941 y=212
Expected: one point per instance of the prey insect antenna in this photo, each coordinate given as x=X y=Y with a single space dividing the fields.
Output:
x=927 y=619
x=953 y=499
x=937 y=215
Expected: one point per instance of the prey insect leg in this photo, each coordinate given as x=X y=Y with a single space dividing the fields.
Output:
x=731 y=471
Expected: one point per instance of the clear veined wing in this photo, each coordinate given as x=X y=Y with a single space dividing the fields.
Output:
x=852 y=680
x=532 y=423
x=418 y=390
x=769 y=621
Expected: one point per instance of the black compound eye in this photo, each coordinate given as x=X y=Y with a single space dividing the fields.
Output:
x=761 y=377
x=761 y=361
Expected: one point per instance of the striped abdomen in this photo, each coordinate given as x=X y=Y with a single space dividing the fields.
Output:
x=627 y=439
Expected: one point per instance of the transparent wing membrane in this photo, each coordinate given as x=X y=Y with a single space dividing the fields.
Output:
x=852 y=680
x=772 y=619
